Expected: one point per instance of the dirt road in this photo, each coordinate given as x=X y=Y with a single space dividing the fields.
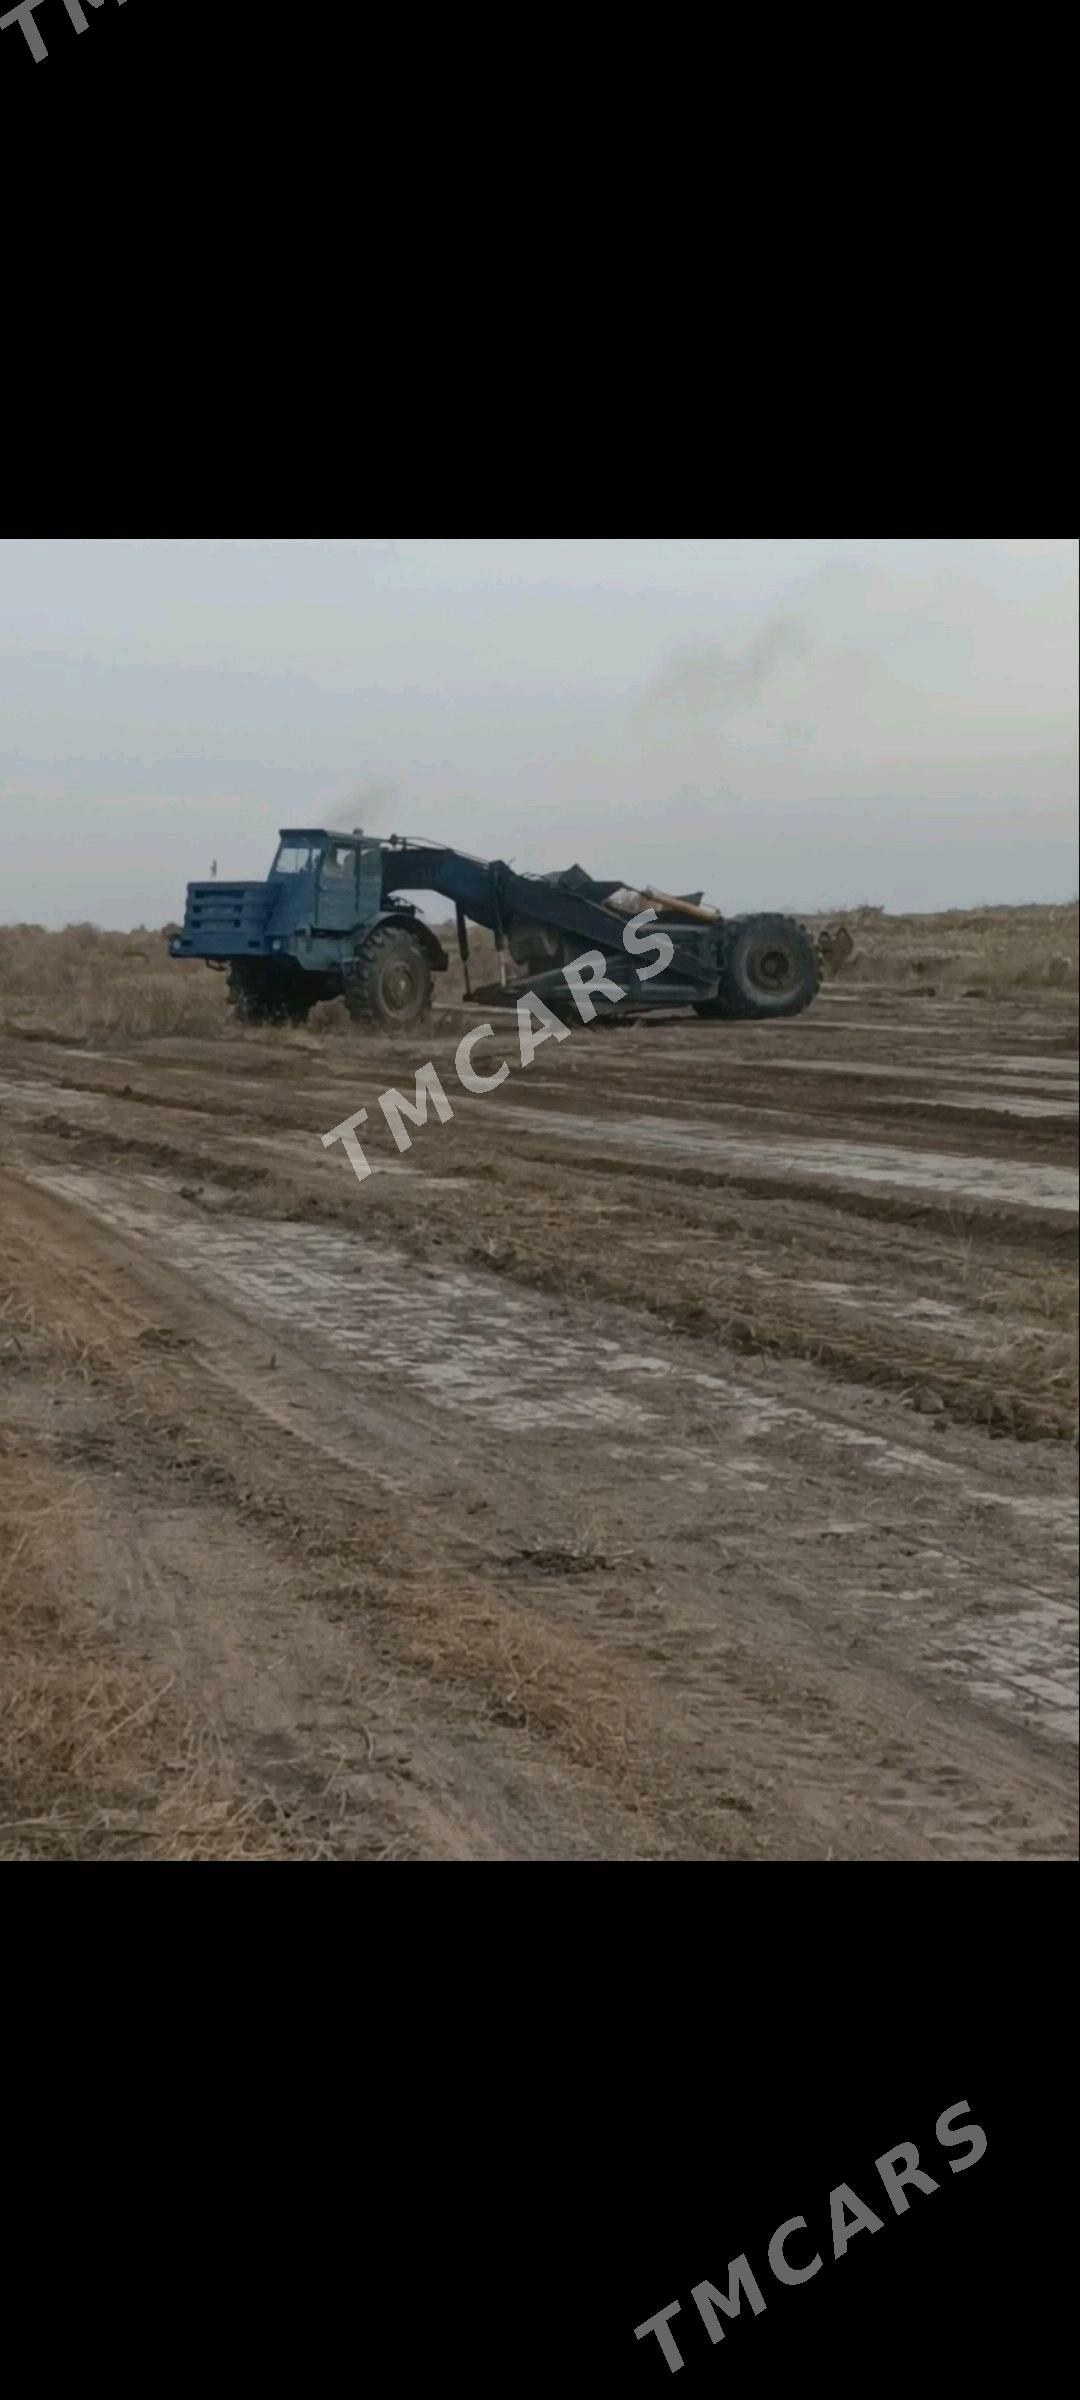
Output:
x=669 y=1455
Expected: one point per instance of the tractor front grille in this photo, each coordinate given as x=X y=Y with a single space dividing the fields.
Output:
x=224 y=917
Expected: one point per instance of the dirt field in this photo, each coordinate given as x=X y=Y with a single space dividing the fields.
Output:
x=672 y=1455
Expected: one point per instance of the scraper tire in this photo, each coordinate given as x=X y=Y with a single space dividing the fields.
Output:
x=769 y=967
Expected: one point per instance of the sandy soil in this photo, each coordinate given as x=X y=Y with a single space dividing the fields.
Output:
x=670 y=1455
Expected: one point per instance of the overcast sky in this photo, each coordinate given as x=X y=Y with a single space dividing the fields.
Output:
x=785 y=723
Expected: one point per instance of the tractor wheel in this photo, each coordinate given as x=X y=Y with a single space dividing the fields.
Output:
x=769 y=967
x=389 y=983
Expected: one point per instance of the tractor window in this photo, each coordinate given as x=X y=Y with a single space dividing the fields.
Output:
x=339 y=862
x=293 y=858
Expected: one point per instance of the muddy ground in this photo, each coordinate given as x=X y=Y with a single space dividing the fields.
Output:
x=671 y=1455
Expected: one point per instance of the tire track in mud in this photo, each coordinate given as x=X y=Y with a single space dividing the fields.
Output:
x=367 y=1667
x=944 y=1176
x=862 y=1327
x=516 y=1372
x=828 y=1626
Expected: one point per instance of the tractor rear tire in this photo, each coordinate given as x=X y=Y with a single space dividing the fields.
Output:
x=389 y=983
x=769 y=967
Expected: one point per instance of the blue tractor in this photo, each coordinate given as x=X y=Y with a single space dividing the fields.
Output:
x=332 y=918
x=321 y=925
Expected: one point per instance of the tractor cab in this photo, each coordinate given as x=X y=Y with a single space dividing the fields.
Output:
x=322 y=881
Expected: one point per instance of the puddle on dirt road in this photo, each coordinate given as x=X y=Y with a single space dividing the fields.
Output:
x=42 y=1099
x=1055 y=1101
x=1006 y=1654
x=1055 y=1079
x=990 y=1102
x=451 y=1335
x=1028 y=1064
x=997 y=1182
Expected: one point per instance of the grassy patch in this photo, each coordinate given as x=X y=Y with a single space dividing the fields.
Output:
x=100 y=1755
x=985 y=953
x=81 y=982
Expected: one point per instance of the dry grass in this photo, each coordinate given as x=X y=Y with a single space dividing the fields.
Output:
x=82 y=983
x=98 y=1759
x=983 y=953
x=99 y=1755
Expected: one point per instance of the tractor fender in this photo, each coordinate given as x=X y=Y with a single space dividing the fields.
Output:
x=420 y=931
